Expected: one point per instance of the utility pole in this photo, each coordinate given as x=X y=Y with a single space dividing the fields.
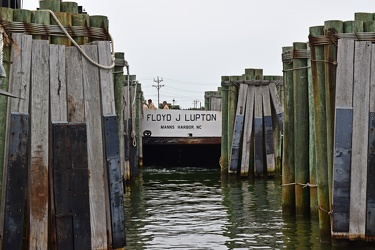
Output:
x=158 y=86
x=195 y=103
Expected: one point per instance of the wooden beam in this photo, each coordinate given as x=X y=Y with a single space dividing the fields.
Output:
x=38 y=173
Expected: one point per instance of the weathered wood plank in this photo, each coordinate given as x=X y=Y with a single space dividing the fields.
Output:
x=238 y=127
x=268 y=131
x=258 y=134
x=224 y=132
x=107 y=102
x=38 y=174
x=19 y=79
x=370 y=211
x=248 y=130
x=58 y=84
x=116 y=202
x=343 y=139
x=106 y=78
x=97 y=183
x=74 y=81
x=19 y=85
x=71 y=186
x=16 y=181
x=358 y=185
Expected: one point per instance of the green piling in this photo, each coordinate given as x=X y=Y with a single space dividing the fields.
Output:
x=41 y=17
x=81 y=20
x=318 y=65
x=224 y=128
x=6 y=14
x=71 y=7
x=312 y=146
x=288 y=170
x=301 y=129
x=331 y=28
x=53 y=5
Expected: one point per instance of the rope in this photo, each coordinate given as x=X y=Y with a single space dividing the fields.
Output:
x=328 y=212
x=286 y=70
x=134 y=141
x=79 y=47
x=301 y=184
x=325 y=61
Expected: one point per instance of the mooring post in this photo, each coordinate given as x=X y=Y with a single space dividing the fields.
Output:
x=224 y=132
x=82 y=20
x=53 y=5
x=301 y=127
x=318 y=65
x=288 y=170
x=119 y=104
x=331 y=28
x=312 y=145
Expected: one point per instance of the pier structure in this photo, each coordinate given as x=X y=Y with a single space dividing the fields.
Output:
x=62 y=149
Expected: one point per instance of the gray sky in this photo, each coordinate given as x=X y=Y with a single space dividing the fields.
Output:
x=191 y=44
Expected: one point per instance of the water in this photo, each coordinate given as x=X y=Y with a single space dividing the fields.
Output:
x=191 y=208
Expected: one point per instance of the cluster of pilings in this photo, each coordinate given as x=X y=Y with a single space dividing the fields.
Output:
x=324 y=173
x=68 y=142
x=251 y=124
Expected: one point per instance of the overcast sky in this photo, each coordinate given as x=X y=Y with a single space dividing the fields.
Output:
x=191 y=44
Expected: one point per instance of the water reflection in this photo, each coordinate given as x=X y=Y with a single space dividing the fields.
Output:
x=189 y=208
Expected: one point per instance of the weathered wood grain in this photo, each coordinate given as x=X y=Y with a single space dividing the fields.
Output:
x=58 y=92
x=343 y=138
x=248 y=131
x=358 y=185
x=74 y=81
x=38 y=173
x=268 y=131
x=106 y=78
x=238 y=128
x=370 y=203
x=258 y=134
x=97 y=183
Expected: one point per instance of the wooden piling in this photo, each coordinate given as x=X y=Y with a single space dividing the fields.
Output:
x=361 y=89
x=38 y=174
x=301 y=129
x=312 y=145
x=232 y=103
x=370 y=203
x=99 y=22
x=248 y=132
x=119 y=103
x=343 y=139
x=288 y=170
x=71 y=7
x=268 y=132
x=19 y=85
x=21 y=15
x=224 y=131
x=53 y=5
x=6 y=14
x=66 y=20
x=363 y=16
x=81 y=20
x=41 y=17
x=238 y=128
x=97 y=183
x=318 y=64
x=259 y=168
x=331 y=28
x=277 y=118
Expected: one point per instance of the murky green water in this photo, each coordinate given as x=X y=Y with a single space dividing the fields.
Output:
x=189 y=208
